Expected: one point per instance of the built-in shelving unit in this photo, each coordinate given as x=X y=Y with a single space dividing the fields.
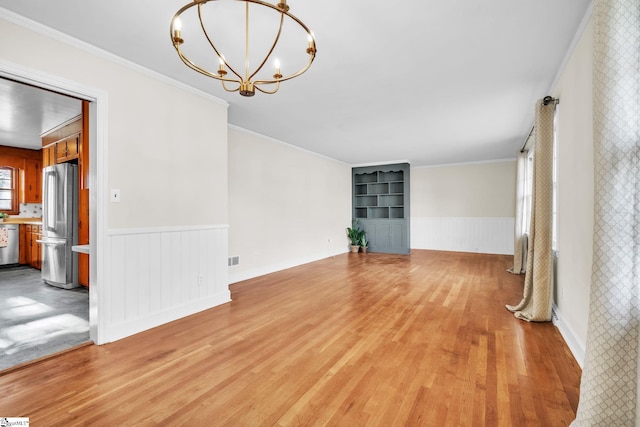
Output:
x=379 y=194
x=381 y=204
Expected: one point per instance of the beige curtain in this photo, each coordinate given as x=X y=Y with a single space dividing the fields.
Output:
x=521 y=182
x=608 y=392
x=538 y=280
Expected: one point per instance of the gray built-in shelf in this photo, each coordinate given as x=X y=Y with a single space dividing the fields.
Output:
x=381 y=204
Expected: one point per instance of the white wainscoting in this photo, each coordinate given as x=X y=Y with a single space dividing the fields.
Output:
x=490 y=235
x=158 y=275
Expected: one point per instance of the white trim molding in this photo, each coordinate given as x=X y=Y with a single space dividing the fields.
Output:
x=576 y=347
x=238 y=276
x=278 y=141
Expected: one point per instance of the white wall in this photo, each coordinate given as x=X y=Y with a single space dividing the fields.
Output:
x=287 y=206
x=167 y=155
x=164 y=146
x=575 y=193
x=466 y=207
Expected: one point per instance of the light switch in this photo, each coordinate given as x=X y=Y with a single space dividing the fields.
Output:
x=115 y=195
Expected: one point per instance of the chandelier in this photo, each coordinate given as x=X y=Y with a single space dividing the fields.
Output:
x=263 y=37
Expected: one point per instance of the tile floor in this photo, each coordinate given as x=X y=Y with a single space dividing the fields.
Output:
x=37 y=319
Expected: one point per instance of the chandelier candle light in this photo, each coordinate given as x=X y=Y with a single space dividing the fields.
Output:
x=247 y=82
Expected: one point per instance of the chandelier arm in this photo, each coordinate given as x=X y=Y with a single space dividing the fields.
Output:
x=213 y=46
x=292 y=76
x=273 y=46
x=201 y=70
x=227 y=89
x=285 y=12
x=268 y=92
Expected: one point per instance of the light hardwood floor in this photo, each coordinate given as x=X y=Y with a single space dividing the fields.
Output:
x=353 y=340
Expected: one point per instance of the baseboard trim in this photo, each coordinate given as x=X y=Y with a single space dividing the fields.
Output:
x=235 y=277
x=128 y=328
x=576 y=347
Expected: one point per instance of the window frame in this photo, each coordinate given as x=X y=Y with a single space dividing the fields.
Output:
x=15 y=191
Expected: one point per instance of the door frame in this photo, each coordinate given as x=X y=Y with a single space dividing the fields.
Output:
x=98 y=145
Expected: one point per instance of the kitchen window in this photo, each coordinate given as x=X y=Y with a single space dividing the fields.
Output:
x=9 y=190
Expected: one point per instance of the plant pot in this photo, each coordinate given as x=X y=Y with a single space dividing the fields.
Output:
x=364 y=249
x=354 y=248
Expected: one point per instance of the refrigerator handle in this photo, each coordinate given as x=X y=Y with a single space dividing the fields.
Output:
x=50 y=243
x=50 y=187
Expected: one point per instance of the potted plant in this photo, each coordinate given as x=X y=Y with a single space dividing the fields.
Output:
x=354 y=234
x=3 y=215
x=364 y=243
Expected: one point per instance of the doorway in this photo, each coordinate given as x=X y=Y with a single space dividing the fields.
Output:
x=96 y=113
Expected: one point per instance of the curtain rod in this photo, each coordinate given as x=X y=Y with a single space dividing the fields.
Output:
x=545 y=101
x=526 y=140
x=549 y=99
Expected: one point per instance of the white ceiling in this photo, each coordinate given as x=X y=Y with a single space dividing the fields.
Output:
x=426 y=81
x=26 y=112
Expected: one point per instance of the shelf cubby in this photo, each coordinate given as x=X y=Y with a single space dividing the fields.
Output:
x=396 y=212
x=396 y=187
x=378 y=213
x=363 y=201
x=365 y=178
x=380 y=188
x=360 y=189
x=391 y=200
x=361 y=213
x=390 y=176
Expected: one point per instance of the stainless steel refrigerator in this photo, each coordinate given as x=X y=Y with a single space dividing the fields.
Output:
x=60 y=225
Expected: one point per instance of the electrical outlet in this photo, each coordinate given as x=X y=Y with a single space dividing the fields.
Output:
x=200 y=279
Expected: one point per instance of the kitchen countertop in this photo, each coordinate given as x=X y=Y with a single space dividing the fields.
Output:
x=83 y=249
x=28 y=221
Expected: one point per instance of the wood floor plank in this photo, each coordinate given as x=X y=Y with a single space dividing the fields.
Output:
x=356 y=339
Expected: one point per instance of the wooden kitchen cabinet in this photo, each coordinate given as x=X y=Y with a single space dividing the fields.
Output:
x=32 y=181
x=83 y=236
x=25 y=245
x=68 y=148
x=83 y=197
x=49 y=155
x=36 y=260
x=62 y=144
x=30 y=249
x=36 y=254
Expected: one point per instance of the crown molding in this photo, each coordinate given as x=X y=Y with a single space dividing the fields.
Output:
x=277 y=141
x=480 y=162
